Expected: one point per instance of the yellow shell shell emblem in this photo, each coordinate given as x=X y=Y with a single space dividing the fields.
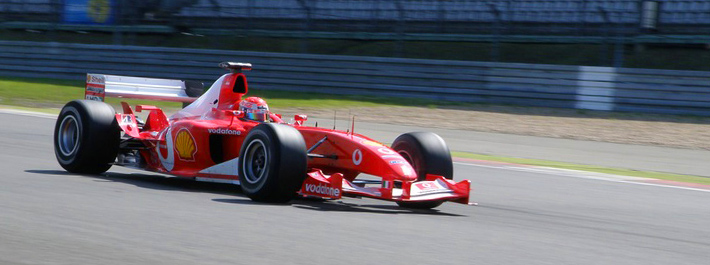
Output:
x=99 y=10
x=185 y=145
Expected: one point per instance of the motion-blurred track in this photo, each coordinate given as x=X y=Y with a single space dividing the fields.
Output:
x=48 y=216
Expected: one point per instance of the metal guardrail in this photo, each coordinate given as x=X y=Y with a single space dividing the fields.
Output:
x=580 y=87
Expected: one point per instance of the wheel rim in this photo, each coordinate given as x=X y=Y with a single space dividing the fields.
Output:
x=256 y=161
x=68 y=135
x=409 y=159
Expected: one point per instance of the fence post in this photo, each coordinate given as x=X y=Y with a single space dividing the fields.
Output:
x=604 y=50
x=399 y=43
x=584 y=13
x=495 y=48
x=57 y=9
x=120 y=13
x=619 y=45
x=307 y=6
x=375 y=19
x=250 y=14
x=441 y=17
x=618 y=38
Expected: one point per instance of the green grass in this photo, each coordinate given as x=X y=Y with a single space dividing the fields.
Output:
x=598 y=169
x=288 y=99
x=53 y=93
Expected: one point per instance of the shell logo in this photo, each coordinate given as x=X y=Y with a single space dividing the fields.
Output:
x=99 y=10
x=185 y=145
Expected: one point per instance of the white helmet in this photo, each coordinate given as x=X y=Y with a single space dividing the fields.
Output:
x=255 y=109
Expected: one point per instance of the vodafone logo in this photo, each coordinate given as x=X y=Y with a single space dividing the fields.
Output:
x=224 y=131
x=357 y=157
x=427 y=186
x=323 y=190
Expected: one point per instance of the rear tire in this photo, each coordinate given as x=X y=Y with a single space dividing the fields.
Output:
x=428 y=154
x=272 y=163
x=86 y=137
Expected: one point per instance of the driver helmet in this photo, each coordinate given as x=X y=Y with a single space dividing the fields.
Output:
x=255 y=109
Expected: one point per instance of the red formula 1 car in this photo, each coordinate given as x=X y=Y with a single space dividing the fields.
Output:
x=221 y=137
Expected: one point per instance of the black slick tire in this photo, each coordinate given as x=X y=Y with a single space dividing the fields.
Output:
x=193 y=89
x=428 y=154
x=272 y=163
x=86 y=137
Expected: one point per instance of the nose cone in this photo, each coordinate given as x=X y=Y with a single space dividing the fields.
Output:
x=404 y=170
x=398 y=167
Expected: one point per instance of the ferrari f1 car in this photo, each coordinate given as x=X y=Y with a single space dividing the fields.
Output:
x=213 y=139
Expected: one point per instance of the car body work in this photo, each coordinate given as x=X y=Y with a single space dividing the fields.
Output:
x=205 y=139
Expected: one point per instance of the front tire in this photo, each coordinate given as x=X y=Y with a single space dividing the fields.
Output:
x=428 y=154
x=272 y=163
x=86 y=137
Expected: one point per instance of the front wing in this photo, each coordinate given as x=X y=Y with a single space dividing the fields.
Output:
x=434 y=188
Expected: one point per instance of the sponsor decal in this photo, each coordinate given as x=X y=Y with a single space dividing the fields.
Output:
x=95 y=98
x=185 y=145
x=371 y=143
x=386 y=151
x=224 y=131
x=323 y=190
x=127 y=119
x=357 y=157
x=99 y=10
x=424 y=186
x=88 y=11
x=169 y=161
x=95 y=79
x=429 y=187
x=396 y=162
x=94 y=89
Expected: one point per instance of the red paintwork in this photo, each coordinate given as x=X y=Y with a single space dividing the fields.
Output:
x=191 y=156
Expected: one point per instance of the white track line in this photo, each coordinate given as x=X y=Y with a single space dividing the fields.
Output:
x=28 y=113
x=584 y=175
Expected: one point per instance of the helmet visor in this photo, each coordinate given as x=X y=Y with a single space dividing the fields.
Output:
x=256 y=115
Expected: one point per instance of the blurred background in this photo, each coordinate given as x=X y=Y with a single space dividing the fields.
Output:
x=665 y=34
x=603 y=55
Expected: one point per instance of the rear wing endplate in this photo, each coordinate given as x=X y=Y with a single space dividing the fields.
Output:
x=99 y=86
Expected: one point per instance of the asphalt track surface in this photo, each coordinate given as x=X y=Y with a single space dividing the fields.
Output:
x=636 y=157
x=48 y=216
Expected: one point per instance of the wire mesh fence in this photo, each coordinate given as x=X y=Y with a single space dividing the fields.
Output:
x=611 y=24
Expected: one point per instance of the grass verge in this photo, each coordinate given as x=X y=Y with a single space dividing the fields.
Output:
x=598 y=169
x=54 y=93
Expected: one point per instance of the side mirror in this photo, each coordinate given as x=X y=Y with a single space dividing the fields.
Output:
x=300 y=119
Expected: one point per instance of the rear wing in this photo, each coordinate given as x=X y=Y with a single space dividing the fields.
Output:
x=99 y=86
